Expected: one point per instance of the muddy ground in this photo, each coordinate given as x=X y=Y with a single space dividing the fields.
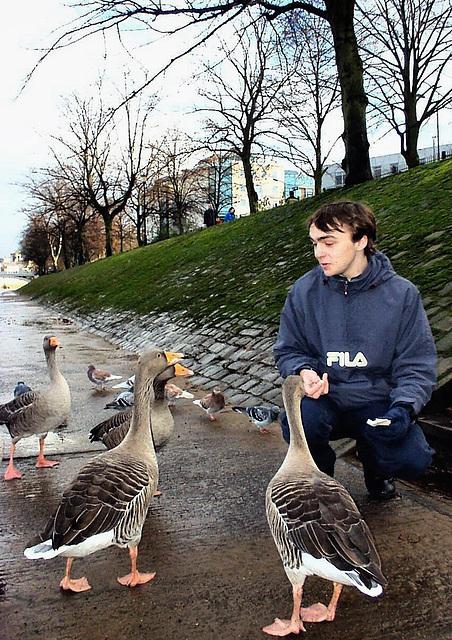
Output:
x=218 y=575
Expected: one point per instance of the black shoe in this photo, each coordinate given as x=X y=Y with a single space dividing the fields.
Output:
x=380 y=488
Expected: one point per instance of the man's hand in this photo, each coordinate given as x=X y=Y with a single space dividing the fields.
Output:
x=314 y=387
x=393 y=425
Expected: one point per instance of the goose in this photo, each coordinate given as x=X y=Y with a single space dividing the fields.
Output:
x=107 y=502
x=173 y=393
x=38 y=412
x=262 y=417
x=112 y=431
x=212 y=403
x=316 y=527
x=99 y=377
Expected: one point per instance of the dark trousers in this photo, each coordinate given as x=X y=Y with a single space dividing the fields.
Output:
x=323 y=422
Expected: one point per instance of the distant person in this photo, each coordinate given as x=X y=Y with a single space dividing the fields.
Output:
x=291 y=197
x=209 y=216
x=358 y=335
x=230 y=215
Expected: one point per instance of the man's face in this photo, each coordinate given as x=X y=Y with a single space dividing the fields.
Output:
x=337 y=253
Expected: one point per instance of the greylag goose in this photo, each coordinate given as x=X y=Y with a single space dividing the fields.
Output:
x=99 y=377
x=316 y=527
x=38 y=412
x=262 y=417
x=107 y=502
x=112 y=431
x=212 y=403
x=173 y=393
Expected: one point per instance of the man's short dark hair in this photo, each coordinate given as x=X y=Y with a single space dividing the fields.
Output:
x=358 y=216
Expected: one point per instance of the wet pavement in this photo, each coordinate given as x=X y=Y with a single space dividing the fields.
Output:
x=218 y=573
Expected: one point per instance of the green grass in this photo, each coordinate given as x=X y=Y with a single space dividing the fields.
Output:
x=245 y=268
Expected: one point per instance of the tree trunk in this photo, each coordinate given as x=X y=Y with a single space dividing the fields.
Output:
x=108 y=234
x=354 y=101
x=412 y=126
x=251 y=191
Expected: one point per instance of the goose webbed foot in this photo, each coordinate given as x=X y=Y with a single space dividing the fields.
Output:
x=135 y=577
x=282 y=628
x=42 y=463
x=81 y=584
x=77 y=586
x=12 y=473
x=319 y=612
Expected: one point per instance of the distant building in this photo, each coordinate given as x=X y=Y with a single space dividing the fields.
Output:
x=14 y=264
x=334 y=176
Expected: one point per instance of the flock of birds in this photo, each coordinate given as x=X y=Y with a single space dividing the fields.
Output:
x=314 y=522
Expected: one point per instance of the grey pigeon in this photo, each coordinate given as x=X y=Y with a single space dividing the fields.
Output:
x=21 y=388
x=123 y=400
x=261 y=416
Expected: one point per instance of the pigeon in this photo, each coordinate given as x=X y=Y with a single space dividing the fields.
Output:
x=123 y=400
x=21 y=388
x=261 y=416
x=212 y=403
x=125 y=384
x=99 y=377
x=174 y=393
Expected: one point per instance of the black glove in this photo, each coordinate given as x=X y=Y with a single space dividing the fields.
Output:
x=398 y=422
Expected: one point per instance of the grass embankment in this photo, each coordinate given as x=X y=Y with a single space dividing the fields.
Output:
x=245 y=268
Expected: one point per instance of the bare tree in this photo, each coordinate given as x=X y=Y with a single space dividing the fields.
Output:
x=99 y=16
x=241 y=92
x=106 y=155
x=34 y=245
x=408 y=48
x=311 y=96
x=214 y=179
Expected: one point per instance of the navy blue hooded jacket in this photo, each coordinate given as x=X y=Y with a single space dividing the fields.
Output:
x=370 y=334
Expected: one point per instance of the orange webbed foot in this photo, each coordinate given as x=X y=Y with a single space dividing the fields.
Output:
x=12 y=474
x=282 y=628
x=132 y=579
x=43 y=464
x=75 y=585
x=316 y=613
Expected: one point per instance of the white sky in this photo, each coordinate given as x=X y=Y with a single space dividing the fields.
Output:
x=28 y=120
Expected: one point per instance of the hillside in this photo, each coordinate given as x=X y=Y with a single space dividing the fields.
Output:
x=242 y=270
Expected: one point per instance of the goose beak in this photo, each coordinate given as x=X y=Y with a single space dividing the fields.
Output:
x=173 y=357
x=180 y=370
x=54 y=342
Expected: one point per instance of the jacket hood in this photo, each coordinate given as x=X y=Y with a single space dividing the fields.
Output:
x=378 y=270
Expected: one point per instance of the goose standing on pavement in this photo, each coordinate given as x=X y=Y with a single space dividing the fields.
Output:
x=113 y=430
x=38 y=412
x=108 y=501
x=316 y=527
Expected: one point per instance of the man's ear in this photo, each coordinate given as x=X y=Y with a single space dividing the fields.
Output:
x=362 y=243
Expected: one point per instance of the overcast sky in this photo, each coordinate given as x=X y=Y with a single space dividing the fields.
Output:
x=27 y=120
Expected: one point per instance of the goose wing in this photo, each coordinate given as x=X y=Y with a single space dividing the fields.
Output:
x=18 y=414
x=321 y=519
x=97 y=500
x=112 y=431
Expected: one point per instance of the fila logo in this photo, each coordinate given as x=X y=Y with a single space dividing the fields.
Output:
x=343 y=359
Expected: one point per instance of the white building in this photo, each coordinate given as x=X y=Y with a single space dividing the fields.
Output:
x=334 y=177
